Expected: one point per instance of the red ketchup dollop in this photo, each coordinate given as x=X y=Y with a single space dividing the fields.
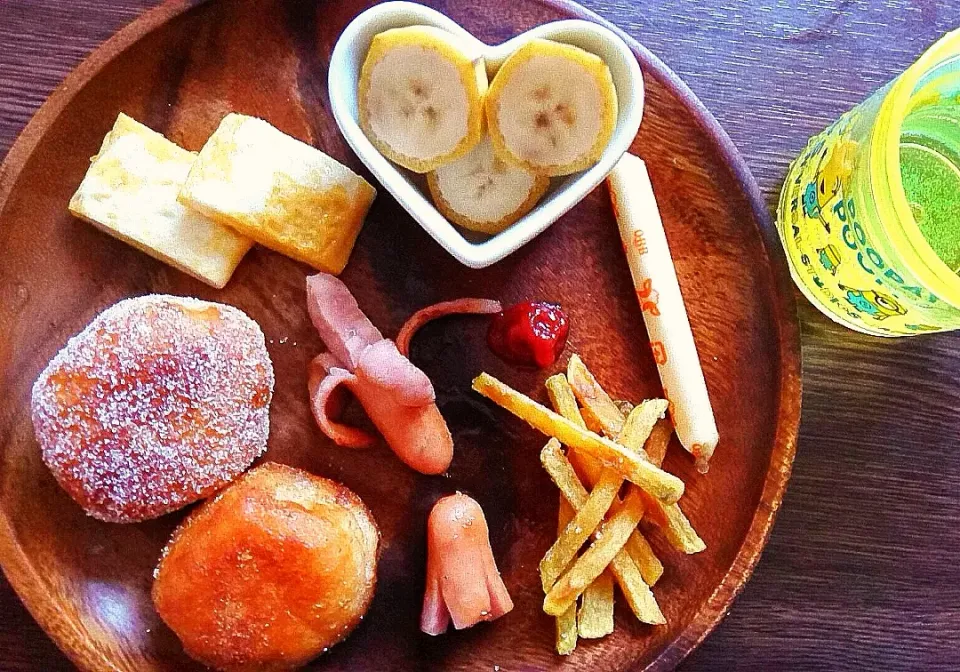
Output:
x=532 y=333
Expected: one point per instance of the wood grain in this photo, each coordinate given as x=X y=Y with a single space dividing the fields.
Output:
x=860 y=570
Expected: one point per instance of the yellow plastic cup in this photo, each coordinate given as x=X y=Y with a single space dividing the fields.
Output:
x=853 y=245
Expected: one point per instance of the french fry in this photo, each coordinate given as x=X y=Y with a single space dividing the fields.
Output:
x=592 y=420
x=639 y=549
x=595 y=618
x=631 y=466
x=610 y=540
x=676 y=528
x=638 y=593
x=619 y=549
x=591 y=395
x=639 y=596
x=635 y=430
x=669 y=518
x=564 y=401
x=587 y=519
x=566 y=632
x=561 y=472
x=561 y=396
x=656 y=445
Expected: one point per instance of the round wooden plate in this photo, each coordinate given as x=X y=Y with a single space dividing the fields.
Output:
x=179 y=69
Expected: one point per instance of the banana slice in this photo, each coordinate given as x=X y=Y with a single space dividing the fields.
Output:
x=482 y=193
x=420 y=97
x=551 y=108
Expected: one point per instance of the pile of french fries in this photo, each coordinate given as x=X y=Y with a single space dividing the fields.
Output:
x=608 y=444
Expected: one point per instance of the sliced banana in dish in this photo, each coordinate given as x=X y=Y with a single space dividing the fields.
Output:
x=551 y=108
x=481 y=192
x=420 y=96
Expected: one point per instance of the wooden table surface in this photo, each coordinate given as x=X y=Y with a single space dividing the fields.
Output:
x=861 y=571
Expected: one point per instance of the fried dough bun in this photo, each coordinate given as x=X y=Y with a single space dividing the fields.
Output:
x=276 y=569
x=159 y=402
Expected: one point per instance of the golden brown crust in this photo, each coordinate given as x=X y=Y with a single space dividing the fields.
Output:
x=278 y=191
x=276 y=569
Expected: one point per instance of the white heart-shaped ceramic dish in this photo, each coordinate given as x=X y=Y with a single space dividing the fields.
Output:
x=344 y=75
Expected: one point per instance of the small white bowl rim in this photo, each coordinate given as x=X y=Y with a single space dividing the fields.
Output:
x=343 y=76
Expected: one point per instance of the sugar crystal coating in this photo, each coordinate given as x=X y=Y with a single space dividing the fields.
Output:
x=159 y=402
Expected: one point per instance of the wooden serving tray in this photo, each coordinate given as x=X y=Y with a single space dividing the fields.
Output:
x=179 y=69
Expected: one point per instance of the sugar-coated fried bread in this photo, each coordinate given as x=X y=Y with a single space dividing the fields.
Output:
x=276 y=569
x=159 y=402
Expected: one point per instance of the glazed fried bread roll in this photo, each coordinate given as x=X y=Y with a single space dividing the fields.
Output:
x=278 y=568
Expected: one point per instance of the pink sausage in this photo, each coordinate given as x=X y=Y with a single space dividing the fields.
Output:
x=382 y=365
x=442 y=309
x=397 y=396
x=342 y=325
x=417 y=434
x=463 y=582
x=328 y=396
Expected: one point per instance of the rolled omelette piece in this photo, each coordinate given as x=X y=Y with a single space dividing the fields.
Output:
x=130 y=192
x=283 y=193
x=664 y=312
